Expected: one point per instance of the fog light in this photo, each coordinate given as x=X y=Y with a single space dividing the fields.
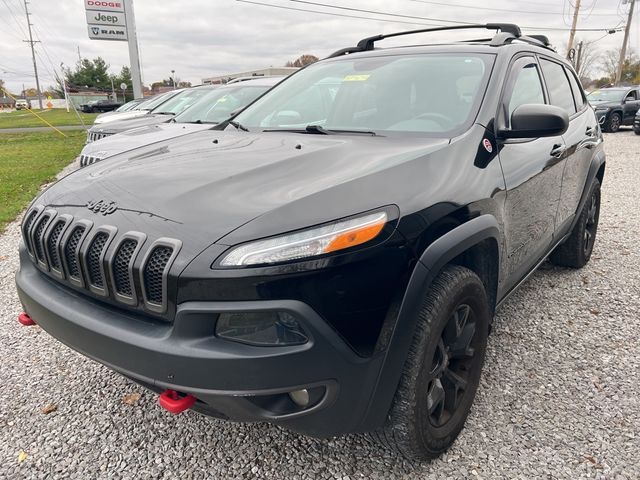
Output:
x=300 y=397
x=261 y=328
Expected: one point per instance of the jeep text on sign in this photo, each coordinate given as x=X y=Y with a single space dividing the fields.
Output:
x=107 y=32
x=104 y=5
x=96 y=17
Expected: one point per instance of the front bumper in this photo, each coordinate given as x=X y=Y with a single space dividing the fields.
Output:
x=230 y=380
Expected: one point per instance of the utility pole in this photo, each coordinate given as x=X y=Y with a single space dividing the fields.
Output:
x=79 y=56
x=572 y=33
x=33 y=52
x=579 y=57
x=623 y=51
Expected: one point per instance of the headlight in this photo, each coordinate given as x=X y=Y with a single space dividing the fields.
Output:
x=308 y=243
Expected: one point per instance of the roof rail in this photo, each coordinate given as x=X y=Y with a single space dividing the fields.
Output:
x=510 y=29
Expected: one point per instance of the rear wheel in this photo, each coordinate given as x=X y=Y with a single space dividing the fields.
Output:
x=576 y=251
x=443 y=367
x=612 y=125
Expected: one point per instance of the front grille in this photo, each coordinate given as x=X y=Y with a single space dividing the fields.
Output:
x=95 y=136
x=26 y=228
x=121 y=271
x=70 y=251
x=93 y=259
x=52 y=245
x=37 y=237
x=154 y=273
x=80 y=256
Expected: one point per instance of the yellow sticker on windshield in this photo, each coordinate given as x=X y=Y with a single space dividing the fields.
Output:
x=355 y=78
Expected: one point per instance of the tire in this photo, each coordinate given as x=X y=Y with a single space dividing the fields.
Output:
x=421 y=424
x=612 y=125
x=576 y=251
x=636 y=130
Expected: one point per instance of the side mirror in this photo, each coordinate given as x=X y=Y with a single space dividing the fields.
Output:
x=536 y=120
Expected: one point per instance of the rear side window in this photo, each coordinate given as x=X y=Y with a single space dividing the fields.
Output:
x=577 y=91
x=558 y=85
x=527 y=88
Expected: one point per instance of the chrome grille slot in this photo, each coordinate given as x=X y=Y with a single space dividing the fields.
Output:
x=154 y=273
x=37 y=237
x=52 y=245
x=26 y=228
x=121 y=268
x=94 y=255
x=70 y=250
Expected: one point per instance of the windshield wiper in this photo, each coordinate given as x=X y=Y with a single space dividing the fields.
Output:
x=238 y=125
x=320 y=130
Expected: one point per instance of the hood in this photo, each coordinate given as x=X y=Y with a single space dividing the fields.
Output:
x=200 y=187
x=117 y=116
x=129 y=123
x=138 y=137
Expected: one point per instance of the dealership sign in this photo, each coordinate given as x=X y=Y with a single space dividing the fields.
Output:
x=106 y=20
x=104 y=5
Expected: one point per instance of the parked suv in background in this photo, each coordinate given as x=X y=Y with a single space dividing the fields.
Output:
x=330 y=259
x=23 y=104
x=216 y=106
x=615 y=106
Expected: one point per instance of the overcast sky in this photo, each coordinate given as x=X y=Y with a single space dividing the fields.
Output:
x=202 y=38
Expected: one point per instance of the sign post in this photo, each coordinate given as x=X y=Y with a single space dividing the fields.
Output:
x=114 y=20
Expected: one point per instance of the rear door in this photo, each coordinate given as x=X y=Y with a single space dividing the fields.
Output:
x=532 y=170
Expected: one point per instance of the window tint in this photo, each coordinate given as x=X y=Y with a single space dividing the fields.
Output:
x=631 y=95
x=577 y=91
x=527 y=88
x=558 y=85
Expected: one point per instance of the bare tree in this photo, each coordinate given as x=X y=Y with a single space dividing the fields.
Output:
x=611 y=60
x=584 y=58
x=302 y=60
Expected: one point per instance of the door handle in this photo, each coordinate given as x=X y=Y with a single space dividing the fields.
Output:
x=558 y=150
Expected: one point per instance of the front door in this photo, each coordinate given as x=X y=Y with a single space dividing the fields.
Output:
x=532 y=170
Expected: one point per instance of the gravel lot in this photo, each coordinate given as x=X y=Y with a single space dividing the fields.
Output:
x=560 y=395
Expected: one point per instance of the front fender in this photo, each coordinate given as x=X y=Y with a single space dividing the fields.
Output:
x=441 y=252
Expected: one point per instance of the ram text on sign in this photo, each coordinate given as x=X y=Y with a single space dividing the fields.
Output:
x=96 y=17
x=104 y=5
x=105 y=32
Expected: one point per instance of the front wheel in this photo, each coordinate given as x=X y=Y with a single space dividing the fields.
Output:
x=576 y=251
x=443 y=367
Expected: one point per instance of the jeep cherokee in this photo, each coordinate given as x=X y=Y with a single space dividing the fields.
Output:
x=330 y=259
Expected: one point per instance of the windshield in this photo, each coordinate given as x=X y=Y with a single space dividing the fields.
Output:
x=157 y=100
x=606 y=95
x=182 y=101
x=127 y=106
x=432 y=94
x=218 y=104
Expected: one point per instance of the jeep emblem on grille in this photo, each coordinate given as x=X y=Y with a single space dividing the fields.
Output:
x=102 y=206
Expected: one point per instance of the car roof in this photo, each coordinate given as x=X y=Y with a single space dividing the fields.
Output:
x=258 y=81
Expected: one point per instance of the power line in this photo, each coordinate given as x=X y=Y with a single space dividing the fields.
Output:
x=458 y=22
x=333 y=14
x=493 y=9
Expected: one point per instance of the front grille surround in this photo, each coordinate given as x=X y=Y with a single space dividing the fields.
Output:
x=71 y=258
x=95 y=136
x=93 y=262
x=66 y=248
x=53 y=241
x=174 y=245
x=130 y=298
x=86 y=160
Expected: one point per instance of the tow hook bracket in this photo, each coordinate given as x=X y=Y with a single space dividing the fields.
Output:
x=176 y=402
x=25 y=319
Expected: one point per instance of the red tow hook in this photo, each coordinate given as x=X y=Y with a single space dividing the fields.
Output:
x=25 y=319
x=176 y=402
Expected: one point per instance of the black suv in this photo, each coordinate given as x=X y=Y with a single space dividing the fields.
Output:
x=615 y=106
x=330 y=259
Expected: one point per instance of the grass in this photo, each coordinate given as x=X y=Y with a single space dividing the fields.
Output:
x=29 y=160
x=55 y=116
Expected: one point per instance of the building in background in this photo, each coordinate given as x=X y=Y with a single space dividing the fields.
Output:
x=262 y=72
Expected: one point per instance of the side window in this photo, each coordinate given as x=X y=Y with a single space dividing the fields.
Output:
x=558 y=85
x=527 y=87
x=578 y=96
x=631 y=96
